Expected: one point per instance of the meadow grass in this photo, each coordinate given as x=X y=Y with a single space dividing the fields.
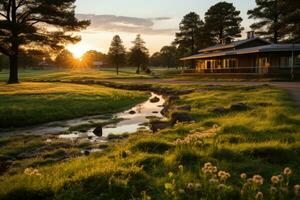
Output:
x=169 y=164
x=88 y=74
x=33 y=103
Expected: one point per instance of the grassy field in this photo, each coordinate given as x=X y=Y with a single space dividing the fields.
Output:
x=33 y=103
x=87 y=74
x=261 y=140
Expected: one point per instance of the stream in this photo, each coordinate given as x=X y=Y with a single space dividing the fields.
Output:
x=131 y=121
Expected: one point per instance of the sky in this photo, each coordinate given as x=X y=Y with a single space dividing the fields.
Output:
x=156 y=20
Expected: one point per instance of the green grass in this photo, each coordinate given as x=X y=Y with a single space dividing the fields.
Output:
x=33 y=103
x=261 y=140
x=87 y=74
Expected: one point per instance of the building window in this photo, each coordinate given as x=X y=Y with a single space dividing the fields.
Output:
x=297 y=60
x=285 y=62
x=229 y=63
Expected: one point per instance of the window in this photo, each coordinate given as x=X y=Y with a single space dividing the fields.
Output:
x=229 y=63
x=297 y=60
x=285 y=62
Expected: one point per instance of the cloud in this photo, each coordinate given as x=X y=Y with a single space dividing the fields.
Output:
x=113 y=23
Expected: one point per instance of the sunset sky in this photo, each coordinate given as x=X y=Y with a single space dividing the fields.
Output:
x=156 y=20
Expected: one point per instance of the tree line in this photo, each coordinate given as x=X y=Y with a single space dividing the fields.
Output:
x=22 y=32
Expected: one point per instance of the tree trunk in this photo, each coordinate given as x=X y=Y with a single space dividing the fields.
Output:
x=138 y=69
x=13 y=73
x=117 y=70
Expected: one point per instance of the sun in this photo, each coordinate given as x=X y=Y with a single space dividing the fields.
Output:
x=78 y=50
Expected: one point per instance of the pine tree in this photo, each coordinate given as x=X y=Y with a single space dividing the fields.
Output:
x=139 y=54
x=117 y=52
x=23 y=25
x=290 y=22
x=269 y=14
x=223 y=20
x=190 y=37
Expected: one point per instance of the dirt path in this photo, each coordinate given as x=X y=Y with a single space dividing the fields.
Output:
x=292 y=87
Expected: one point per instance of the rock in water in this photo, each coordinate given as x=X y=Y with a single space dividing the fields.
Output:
x=159 y=125
x=132 y=112
x=155 y=100
x=98 y=131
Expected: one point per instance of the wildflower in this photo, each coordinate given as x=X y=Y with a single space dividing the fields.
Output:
x=213 y=181
x=249 y=180
x=215 y=169
x=180 y=167
x=32 y=172
x=297 y=190
x=181 y=191
x=259 y=196
x=207 y=165
x=221 y=186
x=273 y=190
x=280 y=177
x=223 y=175
x=243 y=176
x=190 y=186
x=275 y=180
x=171 y=174
x=287 y=171
x=257 y=179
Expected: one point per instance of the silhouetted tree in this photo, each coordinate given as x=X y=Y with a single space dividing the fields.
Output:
x=190 y=34
x=155 y=59
x=117 y=52
x=290 y=23
x=269 y=24
x=169 y=56
x=88 y=58
x=139 y=54
x=65 y=59
x=223 y=20
x=23 y=24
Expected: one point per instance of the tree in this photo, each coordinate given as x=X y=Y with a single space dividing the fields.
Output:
x=169 y=56
x=65 y=59
x=139 y=54
x=117 y=52
x=155 y=59
x=190 y=34
x=88 y=59
x=223 y=20
x=36 y=24
x=269 y=19
x=290 y=22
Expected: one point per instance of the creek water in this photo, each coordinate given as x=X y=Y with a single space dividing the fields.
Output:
x=131 y=121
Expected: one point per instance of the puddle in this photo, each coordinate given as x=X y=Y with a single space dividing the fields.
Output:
x=131 y=123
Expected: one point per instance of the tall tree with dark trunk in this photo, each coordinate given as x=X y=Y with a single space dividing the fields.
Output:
x=36 y=24
x=290 y=22
x=269 y=16
x=223 y=20
x=117 y=52
x=190 y=35
x=169 y=56
x=139 y=54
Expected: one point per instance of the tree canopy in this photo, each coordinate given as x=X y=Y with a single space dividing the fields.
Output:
x=139 y=54
x=223 y=20
x=36 y=24
x=117 y=52
x=190 y=34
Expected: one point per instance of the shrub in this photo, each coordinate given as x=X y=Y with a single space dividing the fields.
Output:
x=151 y=146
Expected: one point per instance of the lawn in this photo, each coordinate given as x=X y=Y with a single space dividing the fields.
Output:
x=87 y=74
x=33 y=103
x=261 y=140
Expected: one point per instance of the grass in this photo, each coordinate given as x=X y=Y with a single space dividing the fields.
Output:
x=33 y=103
x=87 y=74
x=263 y=139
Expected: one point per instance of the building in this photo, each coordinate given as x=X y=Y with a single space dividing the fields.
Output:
x=252 y=55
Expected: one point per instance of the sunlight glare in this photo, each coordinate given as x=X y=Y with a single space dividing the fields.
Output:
x=78 y=50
